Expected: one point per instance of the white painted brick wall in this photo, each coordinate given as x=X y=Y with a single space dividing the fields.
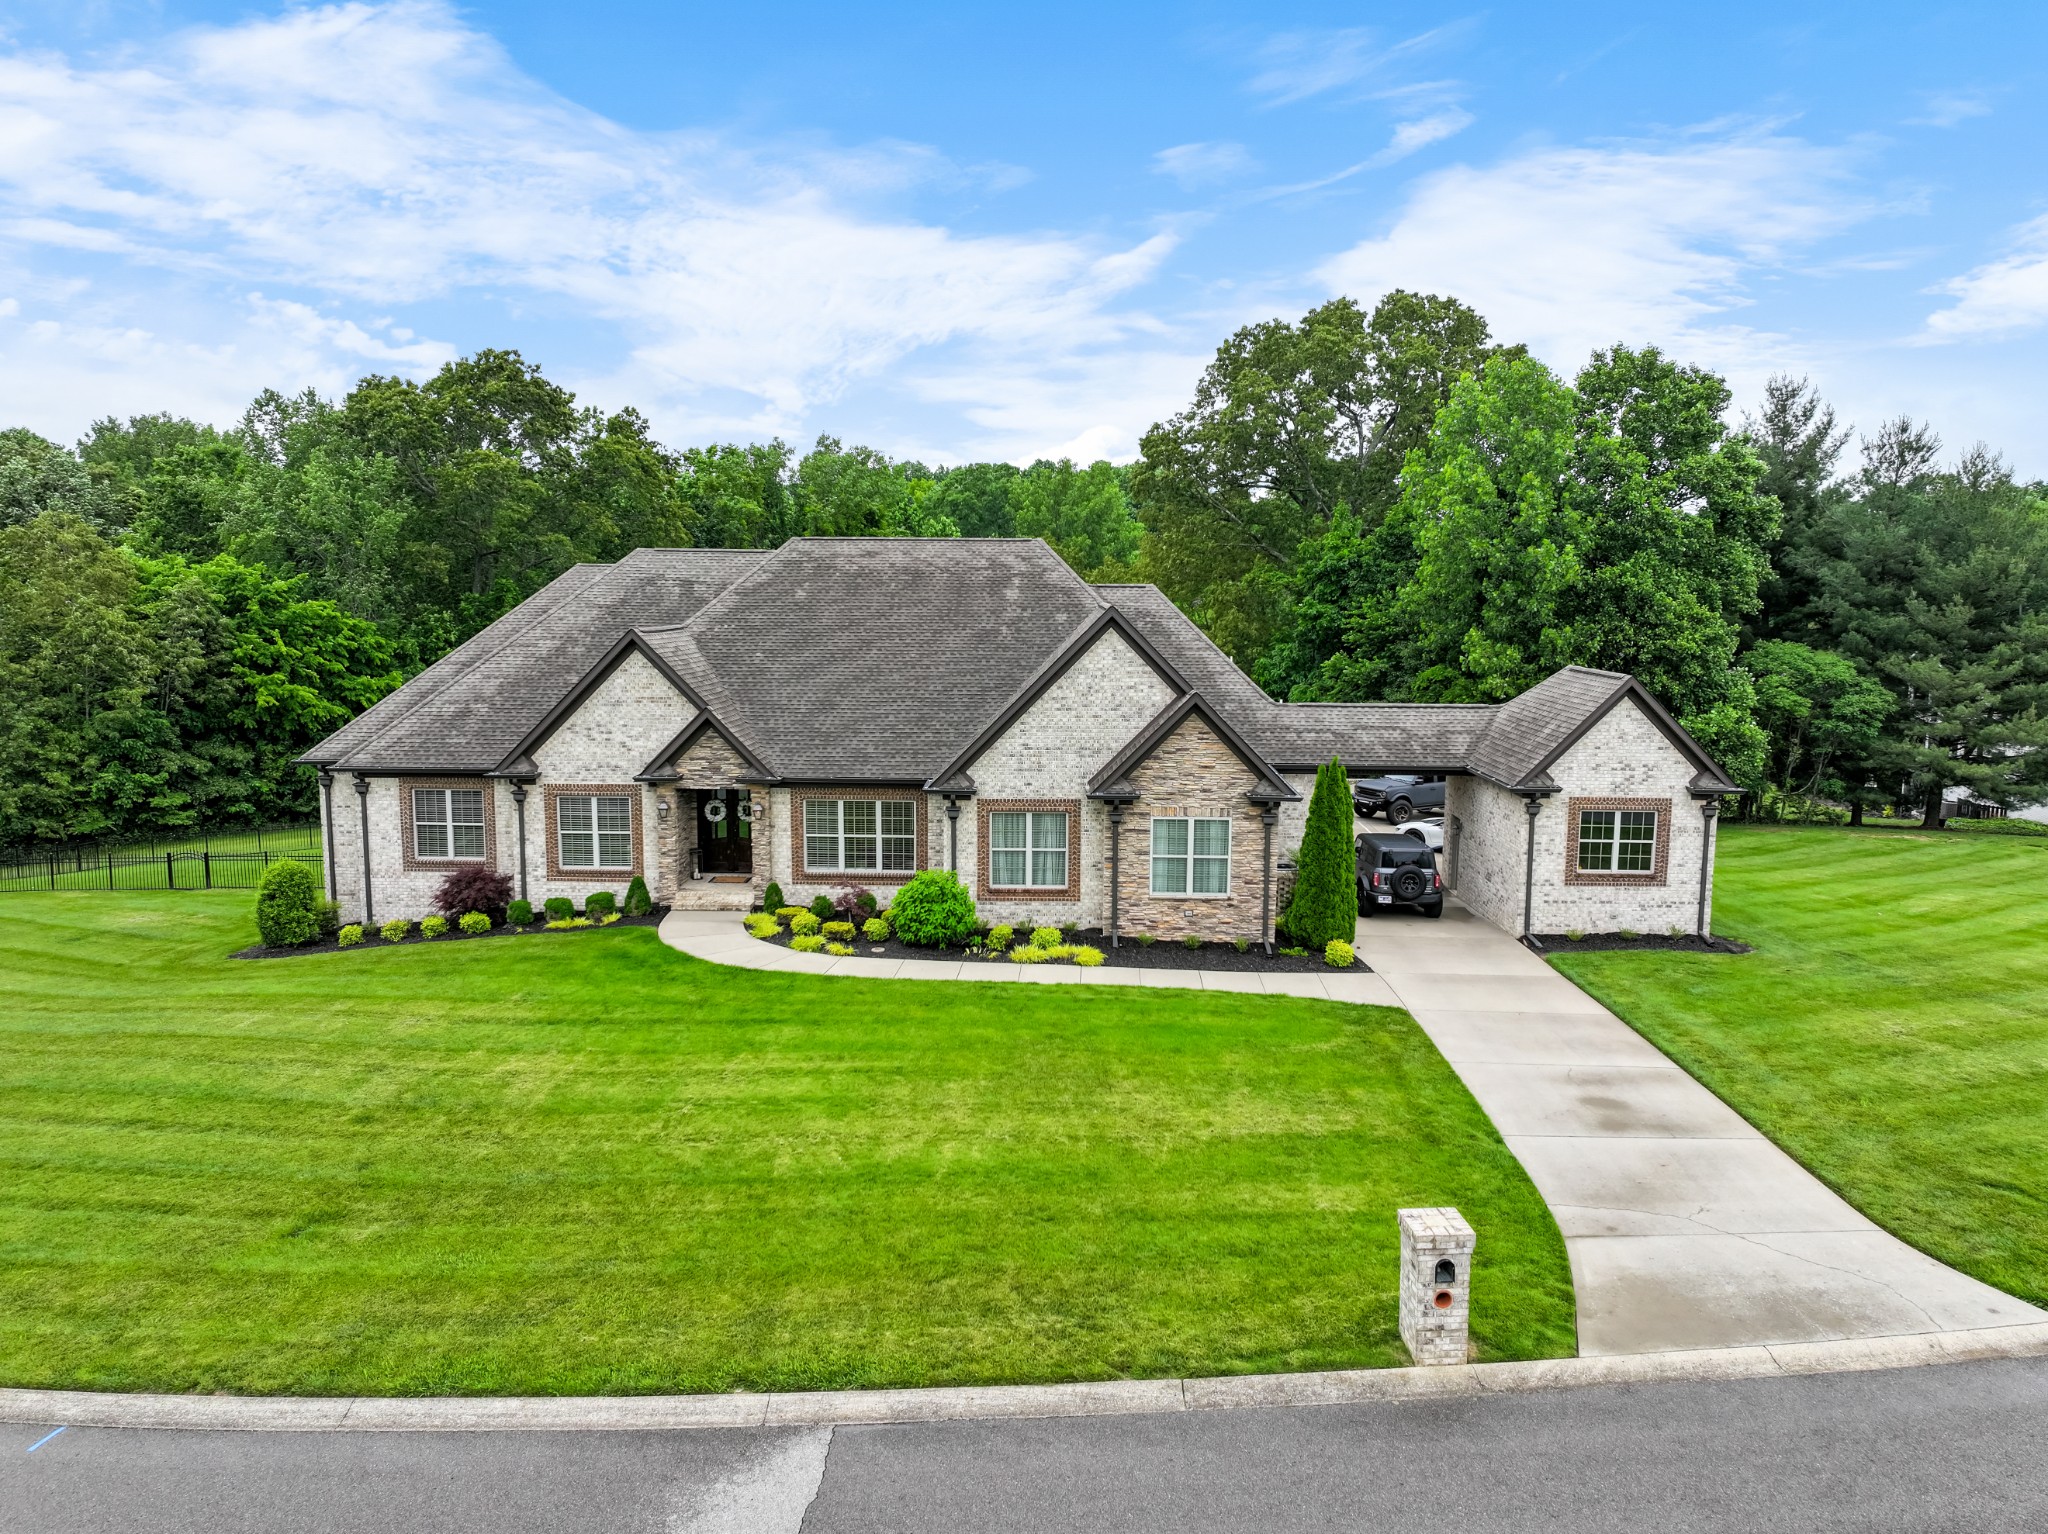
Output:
x=1624 y=756
x=1050 y=752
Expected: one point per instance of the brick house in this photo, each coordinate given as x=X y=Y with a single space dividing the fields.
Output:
x=849 y=711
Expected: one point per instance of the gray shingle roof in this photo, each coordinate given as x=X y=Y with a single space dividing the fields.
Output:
x=884 y=659
x=464 y=717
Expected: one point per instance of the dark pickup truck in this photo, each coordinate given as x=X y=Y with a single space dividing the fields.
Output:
x=1399 y=796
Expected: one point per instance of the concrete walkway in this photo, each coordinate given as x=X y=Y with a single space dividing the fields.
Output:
x=718 y=937
x=1686 y=1227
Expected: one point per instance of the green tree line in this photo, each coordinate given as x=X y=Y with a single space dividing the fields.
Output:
x=1357 y=505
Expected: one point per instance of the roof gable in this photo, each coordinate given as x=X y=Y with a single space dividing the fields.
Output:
x=518 y=761
x=955 y=774
x=1530 y=732
x=1112 y=782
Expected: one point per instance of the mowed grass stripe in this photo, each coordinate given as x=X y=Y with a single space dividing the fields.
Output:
x=1891 y=1031
x=593 y=1165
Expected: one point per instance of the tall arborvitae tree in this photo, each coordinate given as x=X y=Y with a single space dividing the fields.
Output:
x=1324 y=905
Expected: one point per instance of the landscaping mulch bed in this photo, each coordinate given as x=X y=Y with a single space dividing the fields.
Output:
x=1615 y=942
x=1132 y=955
x=371 y=940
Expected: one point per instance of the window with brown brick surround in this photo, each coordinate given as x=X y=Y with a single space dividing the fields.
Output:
x=447 y=823
x=593 y=812
x=1607 y=840
x=1026 y=855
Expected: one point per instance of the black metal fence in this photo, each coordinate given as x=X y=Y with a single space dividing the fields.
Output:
x=214 y=860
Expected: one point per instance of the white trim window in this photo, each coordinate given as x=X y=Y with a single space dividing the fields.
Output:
x=448 y=823
x=1027 y=849
x=594 y=830
x=860 y=835
x=1190 y=856
x=1617 y=841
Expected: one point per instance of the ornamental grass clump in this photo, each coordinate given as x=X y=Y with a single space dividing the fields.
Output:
x=762 y=925
x=1029 y=953
x=474 y=923
x=1338 y=954
x=1324 y=906
x=810 y=943
x=288 y=905
x=1191 y=942
x=933 y=910
x=396 y=930
x=839 y=950
x=1086 y=956
x=568 y=924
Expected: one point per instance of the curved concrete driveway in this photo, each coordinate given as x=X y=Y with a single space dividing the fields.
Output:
x=1686 y=1227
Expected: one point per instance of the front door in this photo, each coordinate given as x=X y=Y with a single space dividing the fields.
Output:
x=725 y=842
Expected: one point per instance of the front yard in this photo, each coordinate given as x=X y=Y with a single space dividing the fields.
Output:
x=598 y=1166
x=1890 y=1031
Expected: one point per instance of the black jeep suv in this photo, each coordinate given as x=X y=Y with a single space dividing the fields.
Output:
x=1400 y=796
x=1398 y=870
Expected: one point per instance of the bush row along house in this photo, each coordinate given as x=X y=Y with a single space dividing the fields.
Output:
x=849 y=711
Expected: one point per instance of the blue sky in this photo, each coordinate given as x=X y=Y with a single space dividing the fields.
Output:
x=957 y=232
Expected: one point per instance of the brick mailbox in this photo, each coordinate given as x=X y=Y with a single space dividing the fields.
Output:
x=1436 y=1285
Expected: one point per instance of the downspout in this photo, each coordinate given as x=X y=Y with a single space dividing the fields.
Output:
x=363 y=804
x=519 y=814
x=1267 y=817
x=1116 y=827
x=1532 y=806
x=1709 y=809
x=330 y=875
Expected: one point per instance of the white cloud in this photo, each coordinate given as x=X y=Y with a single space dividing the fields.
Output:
x=348 y=159
x=1349 y=61
x=1945 y=109
x=2001 y=297
x=1571 y=249
x=1203 y=164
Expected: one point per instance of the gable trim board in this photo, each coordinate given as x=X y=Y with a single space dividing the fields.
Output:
x=724 y=636
x=1111 y=781
x=663 y=770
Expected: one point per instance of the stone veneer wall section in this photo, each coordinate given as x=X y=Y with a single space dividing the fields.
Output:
x=1193 y=773
x=711 y=762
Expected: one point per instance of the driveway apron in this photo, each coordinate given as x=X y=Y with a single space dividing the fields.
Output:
x=1686 y=1227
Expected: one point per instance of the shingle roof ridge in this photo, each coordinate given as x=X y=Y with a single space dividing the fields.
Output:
x=514 y=634
x=1376 y=703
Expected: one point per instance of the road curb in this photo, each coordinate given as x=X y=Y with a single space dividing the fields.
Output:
x=848 y=1408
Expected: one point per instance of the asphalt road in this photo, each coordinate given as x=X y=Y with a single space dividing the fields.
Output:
x=1962 y=1447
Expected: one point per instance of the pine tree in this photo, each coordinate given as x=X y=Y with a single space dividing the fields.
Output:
x=1325 y=902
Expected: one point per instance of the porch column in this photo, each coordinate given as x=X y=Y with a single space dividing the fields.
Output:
x=363 y=805
x=519 y=817
x=1709 y=809
x=1532 y=806
x=1268 y=817
x=329 y=874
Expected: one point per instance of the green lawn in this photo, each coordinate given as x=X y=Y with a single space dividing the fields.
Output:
x=1890 y=1031
x=590 y=1164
